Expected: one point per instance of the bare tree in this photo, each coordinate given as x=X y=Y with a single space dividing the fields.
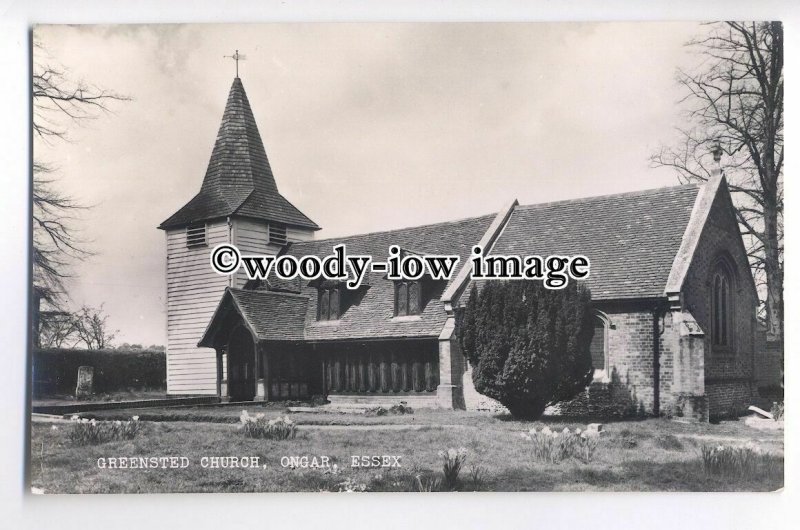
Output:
x=58 y=102
x=735 y=98
x=91 y=326
x=58 y=329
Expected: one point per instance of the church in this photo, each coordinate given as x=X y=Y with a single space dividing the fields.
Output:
x=674 y=299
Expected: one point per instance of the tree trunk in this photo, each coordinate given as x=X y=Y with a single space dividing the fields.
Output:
x=773 y=271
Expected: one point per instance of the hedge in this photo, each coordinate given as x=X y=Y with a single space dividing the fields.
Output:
x=55 y=371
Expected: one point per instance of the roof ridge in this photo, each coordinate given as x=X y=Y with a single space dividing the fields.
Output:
x=238 y=290
x=376 y=232
x=649 y=191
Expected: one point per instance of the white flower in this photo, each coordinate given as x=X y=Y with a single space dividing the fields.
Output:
x=565 y=431
x=75 y=417
x=117 y=422
x=135 y=418
x=53 y=427
x=546 y=430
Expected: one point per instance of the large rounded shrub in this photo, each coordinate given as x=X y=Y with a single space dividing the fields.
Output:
x=528 y=345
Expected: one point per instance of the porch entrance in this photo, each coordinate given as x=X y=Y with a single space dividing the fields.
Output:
x=241 y=366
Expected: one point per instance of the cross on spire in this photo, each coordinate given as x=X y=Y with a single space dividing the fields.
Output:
x=236 y=56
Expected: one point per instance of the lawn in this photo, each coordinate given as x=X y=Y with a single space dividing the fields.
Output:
x=649 y=455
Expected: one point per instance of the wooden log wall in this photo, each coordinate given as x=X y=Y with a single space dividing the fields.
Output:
x=381 y=371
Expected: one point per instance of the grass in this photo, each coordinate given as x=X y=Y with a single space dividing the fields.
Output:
x=651 y=455
x=119 y=395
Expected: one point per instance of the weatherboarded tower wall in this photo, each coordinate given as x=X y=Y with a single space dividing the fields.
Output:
x=238 y=203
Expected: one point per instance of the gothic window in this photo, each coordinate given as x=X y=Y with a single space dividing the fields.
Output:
x=329 y=302
x=721 y=307
x=277 y=234
x=599 y=347
x=196 y=236
x=407 y=298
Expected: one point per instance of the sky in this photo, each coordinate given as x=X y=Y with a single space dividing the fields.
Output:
x=367 y=127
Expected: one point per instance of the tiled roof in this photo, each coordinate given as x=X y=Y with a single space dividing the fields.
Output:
x=371 y=314
x=270 y=315
x=239 y=179
x=630 y=239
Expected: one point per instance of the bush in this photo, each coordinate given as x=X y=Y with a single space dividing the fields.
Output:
x=738 y=462
x=93 y=432
x=259 y=427
x=528 y=345
x=553 y=447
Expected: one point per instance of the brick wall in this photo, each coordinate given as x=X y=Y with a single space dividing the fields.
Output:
x=628 y=388
x=729 y=375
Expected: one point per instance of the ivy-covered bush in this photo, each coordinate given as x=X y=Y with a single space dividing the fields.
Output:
x=528 y=345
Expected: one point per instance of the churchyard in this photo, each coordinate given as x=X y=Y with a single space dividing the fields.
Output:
x=205 y=449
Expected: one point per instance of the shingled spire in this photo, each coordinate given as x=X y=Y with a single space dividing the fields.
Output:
x=239 y=179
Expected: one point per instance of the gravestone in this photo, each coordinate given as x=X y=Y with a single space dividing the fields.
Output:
x=85 y=380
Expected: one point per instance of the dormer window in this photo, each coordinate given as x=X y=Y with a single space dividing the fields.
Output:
x=277 y=234
x=196 y=236
x=407 y=298
x=329 y=301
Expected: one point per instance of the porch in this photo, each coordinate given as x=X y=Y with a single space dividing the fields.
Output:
x=344 y=372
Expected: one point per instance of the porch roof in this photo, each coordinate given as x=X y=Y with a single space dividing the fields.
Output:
x=268 y=315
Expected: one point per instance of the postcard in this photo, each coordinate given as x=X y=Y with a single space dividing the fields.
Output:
x=407 y=257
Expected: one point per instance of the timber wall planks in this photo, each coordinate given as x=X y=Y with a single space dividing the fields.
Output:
x=193 y=291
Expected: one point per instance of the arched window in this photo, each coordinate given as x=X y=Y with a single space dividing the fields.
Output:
x=599 y=347
x=722 y=307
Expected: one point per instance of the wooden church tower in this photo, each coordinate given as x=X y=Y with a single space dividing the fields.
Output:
x=238 y=203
